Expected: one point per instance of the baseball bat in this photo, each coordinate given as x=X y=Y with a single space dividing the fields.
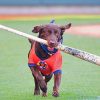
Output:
x=69 y=50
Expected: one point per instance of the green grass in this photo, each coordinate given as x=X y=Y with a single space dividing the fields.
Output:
x=81 y=80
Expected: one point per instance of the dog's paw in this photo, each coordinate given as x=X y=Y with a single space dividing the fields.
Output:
x=44 y=95
x=55 y=94
x=36 y=92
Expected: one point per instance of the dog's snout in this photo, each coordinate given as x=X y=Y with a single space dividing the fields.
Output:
x=52 y=43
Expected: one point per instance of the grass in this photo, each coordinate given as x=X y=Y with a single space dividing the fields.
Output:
x=81 y=80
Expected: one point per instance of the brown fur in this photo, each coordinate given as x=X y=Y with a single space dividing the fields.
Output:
x=52 y=33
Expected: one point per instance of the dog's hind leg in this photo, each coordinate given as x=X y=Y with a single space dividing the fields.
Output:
x=48 y=78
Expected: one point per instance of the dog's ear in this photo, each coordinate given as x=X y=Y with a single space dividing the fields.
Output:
x=63 y=28
x=36 y=29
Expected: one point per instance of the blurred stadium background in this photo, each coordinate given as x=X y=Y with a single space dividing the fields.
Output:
x=81 y=80
x=54 y=6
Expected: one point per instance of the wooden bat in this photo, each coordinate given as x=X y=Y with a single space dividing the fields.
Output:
x=69 y=50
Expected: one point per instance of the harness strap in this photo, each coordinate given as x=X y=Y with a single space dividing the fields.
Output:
x=45 y=48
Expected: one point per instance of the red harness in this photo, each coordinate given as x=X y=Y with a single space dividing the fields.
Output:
x=47 y=66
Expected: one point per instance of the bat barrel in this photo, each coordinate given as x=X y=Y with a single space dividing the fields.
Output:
x=80 y=54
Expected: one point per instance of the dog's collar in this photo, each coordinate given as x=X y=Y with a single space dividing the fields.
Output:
x=45 y=48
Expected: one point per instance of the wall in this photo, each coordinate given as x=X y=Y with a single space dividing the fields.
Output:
x=48 y=2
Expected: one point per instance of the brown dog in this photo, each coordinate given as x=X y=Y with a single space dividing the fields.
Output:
x=44 y=61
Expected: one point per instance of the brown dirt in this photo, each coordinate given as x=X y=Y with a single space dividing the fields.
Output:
x=87 y=30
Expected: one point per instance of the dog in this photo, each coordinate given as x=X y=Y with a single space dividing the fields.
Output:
x=45 y=61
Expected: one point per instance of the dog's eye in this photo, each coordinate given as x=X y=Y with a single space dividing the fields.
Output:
x=49 y=31
x=55 y=31
x=43 y=31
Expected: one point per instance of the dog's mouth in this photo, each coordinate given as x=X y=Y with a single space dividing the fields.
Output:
x=50 y=48
x=52 y=45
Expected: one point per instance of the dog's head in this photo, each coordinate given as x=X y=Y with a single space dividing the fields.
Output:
x=51 y=32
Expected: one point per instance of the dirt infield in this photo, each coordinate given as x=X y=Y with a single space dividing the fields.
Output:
x=87 y=30
x=48 y=16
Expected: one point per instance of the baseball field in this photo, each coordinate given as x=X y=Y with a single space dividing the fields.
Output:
x=80 y=79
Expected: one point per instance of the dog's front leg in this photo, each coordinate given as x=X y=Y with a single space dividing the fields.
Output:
x=42 y=84
x=35 y=75
x=57 y=81
x=37 y=88
x=40 y=81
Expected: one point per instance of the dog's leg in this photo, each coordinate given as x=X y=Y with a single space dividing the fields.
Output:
x=48 y=78
x=57 y=81
x=42 y=84
x=37 y=88
x=38 y=76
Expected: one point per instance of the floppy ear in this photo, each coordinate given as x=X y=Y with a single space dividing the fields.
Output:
x=63 y=28
x=36 y=29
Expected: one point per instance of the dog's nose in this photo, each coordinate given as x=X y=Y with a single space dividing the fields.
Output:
x=52 y=43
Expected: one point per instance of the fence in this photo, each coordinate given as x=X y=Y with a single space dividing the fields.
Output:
x=48 y=2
